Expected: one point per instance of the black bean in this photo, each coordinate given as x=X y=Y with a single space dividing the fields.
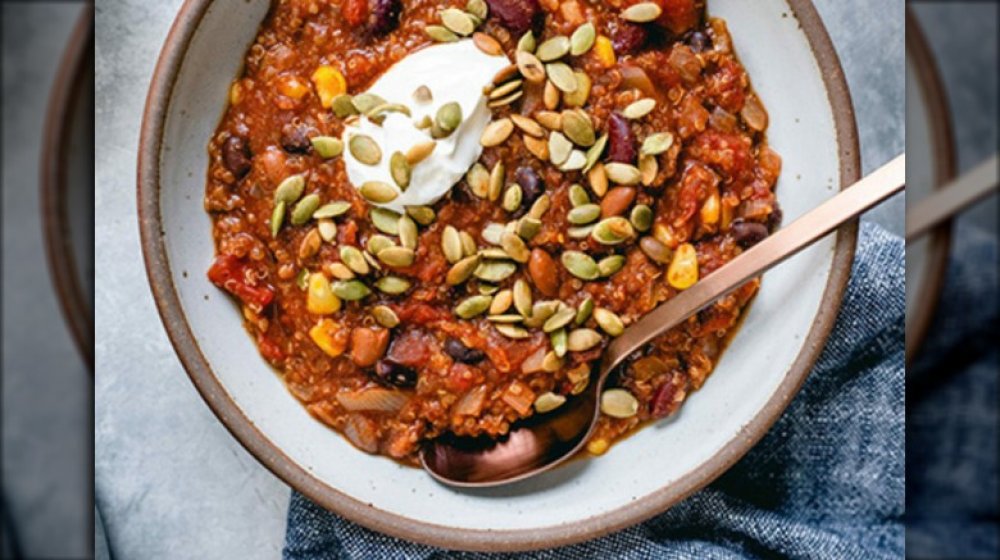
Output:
x=530 y=183
x=621 y=140
x=397 y=375
x=385 y=16
x=748 y=234
x=462 y=353
x=236 y=156
x=516 y=15
x=295 y=138
x=774 y=220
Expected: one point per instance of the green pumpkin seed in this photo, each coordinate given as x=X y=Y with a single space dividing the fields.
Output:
x=440 y=34
x=449 y=116
x=377 y=114
x=547 y=402
x=514 y=246
x=364 y=149
x=340 y=271
x=655 y=250
x=549 y=119
x=552 y=362
x=578 y=195
x=385 y=220
x=559 y=319
x=302 y=279
x=493 y=232
x=365 y=102
x=610 y=265
x=527 y=42
x=277 y=218
x=343 y=106
x=641 y=217
x=576 y=125
x=495 y=253
x=496 y=133
x=656 y=144
x=478 y=179
x=462 y=270
x=378 y=242
x=458 y=21
x=527 y=228
x=423 y=95
x=378 y=192
x=400 y=257
x=613 y=230
x=528 y=125
x=290 y=189
x=582 y=39
x=581 y=340
x=584 y=214
x=497 y=176
x=512 y=198
x=609 y=321
x=352 y=257
x=419 y=152
x=553 y=49
x=327 y=146
x=488 y=289
x=506 y=100
x=327 y=229
x=540 y=312
x=504 y=318
x=562 y=76
x=559 y=148
x=468 y=243
x=576 y=161
x=540 y=207
x=580 y=232
x=521 y=296
x=332 y=210
x=495 y=271
x=580 y=265
x=392 y=285
x=501 y=302
x=477 y=8
x=558 y=340
x=451 y=244
x=423 y=215
x=638 y=109
x=407 y=232
x=594 y=154
x=424 y=123
x=350 y=290
x=622 y=173
x=619 y=403
x=648 y=168
x=473 y=306
x=579 y=97
x=385 y=316
x=399 y=168
x=583 y=311
x=505 y=89
x=304 y=209
x=511 y=331
x=530 y=67
x=372 y=261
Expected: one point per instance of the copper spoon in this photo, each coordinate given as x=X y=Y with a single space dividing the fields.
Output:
x=545 y=440
x=952 y=198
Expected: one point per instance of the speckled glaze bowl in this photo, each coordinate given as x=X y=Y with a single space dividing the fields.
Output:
x=794 y=69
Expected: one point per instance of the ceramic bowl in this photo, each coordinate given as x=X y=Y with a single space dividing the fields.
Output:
x=794 y=69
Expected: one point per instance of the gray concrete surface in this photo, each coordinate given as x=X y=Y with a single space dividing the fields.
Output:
x=170 y=480
x=46 y=388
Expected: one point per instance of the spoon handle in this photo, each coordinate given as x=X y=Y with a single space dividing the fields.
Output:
x=952 y=198
x=787 y=241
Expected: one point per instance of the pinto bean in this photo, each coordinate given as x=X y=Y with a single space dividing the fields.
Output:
x=617 y=201
x=543 y=271
x=368 y=345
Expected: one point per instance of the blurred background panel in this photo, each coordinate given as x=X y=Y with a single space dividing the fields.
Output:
x=47 y=388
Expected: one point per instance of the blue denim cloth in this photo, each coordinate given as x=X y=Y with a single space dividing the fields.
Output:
x=826 y=482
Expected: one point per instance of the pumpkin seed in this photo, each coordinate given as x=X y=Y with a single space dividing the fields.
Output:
x=540 y=312
x=385 y=220
x=424 y=123
x=364 y=149
x=407 y=232
x=527 y=42
x=527 y=228
x=583 y=311
x=399 y=168
x=378 y=192
x=528 y=125
x=501 y=302
x=302 y=279
x=597 y=177
x=343 y=106
x=609 y=321
x=419 y=152
x=505 y=89
x=648 y=168
x=327 y=229
x=656 y=144
x=400 y=257
x=562 y=76
x=493 y=232
x=327 y=146
x=423 y=215
x=449 y=116
x=350 y=290
x=506 y=100
x=552 y=362
x=488 y=289
x=506 y=73
x=365 y=102
x=580 y=232
x=641 y=217
x=584 y=214
x=578 y=195
x=547 y=402
x=496 y=181
x=378 y=242
x=277 y=218
x=530 y=67
x=462 y=270
x=477 y=8
x=332 y=210
x=619 y=403
x=372 y=261
x=478 y=179
x=514 y=246
x=440 y=34
x=613 y=230
x=521 y=297
x=559 y=319
x=385 y=316
x=579 y=97
x=496 y=132
x=553 y=49
x=550 y=96
x=638 y=109
x=582 y=39
x=576 y=161
x=468 y=243
x=290 y=189
x=581 y=340
x=511 y=331
x=351 y=256
x=580 y=265
x=304 y=209
x=392 y=285
x=457 y=21
x=655 y=250
x=540 y=207
x=495 y=253
x=549 y=119
x=340 y=271
x=610 y=265
x=495 y=271
x=473 y=306
x=378 y=113
x=423 y=95
x=559 y=148
x=504 y=318
x=451 y=244
x=578 y=128
x=643 y=12
x=539 y=147
x=512 y=198
x=558 y=340
x=622 y=173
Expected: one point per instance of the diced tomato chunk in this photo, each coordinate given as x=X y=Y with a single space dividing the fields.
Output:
x=229 y=273
x=355 y=12
x=271 y=351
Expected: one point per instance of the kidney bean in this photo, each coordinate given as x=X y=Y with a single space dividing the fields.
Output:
x=454 y=348
x=530 y=183
x=662 y=404
x=368 y=345
x=621 y=140
x=391 y=373
x=516 y=15
x=295 y=138
x=628 y=37
x=543 y=272
x=385 y=16
x=236 y=156
x=748 y=234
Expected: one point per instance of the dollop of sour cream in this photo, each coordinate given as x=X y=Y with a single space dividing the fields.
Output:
x=456 y=72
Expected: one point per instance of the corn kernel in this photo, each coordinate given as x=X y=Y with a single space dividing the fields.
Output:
x=710 y=210
x=329 y=84
x=597 y=446
x=324 y=334
x=235 y=93
x=321 y=300
x=683 y=270
x=605 y=51
x=292 y=87
x=665 y=235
